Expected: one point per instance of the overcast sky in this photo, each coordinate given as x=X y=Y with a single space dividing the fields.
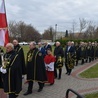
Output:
x=44 y=13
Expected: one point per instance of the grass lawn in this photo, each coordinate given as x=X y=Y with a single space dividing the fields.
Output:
x=95 y=95
x=25 y=48
x=90 y=73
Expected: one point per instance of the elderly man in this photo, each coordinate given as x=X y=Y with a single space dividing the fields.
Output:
x=58 y=53
x=47 y=46
x=69 y=57
x=35 y=68
x=41 y=49
x=18 y=49
x=11 y=72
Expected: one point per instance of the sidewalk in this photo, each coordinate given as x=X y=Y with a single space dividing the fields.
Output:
x=60 y=87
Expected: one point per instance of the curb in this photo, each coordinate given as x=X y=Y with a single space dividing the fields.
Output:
x=76 y=73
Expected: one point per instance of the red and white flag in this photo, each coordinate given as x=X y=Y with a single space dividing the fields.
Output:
x=4 y=36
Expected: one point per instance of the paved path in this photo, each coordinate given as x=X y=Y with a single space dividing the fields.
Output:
x=73 y=81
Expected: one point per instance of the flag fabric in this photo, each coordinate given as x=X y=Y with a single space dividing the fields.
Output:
x=4 y=36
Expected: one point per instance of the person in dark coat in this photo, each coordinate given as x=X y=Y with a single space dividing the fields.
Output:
x=19 y=50
x=35 y=68
x=11 y=72
x=96 y=50
x=89 y=49
x=1 y=83
x=59 y=54
x=77 y=49
x=42 y=49
x=86 y=55
x=82 y=52
x=47 y=46
x=69 y=58
x=92 y=51
x=2 y=94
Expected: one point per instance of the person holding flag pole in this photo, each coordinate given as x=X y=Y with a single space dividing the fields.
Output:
x=4 y=36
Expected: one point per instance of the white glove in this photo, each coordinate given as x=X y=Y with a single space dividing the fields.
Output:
x=3 y=70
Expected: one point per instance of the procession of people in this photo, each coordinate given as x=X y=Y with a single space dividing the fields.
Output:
x=43 y=64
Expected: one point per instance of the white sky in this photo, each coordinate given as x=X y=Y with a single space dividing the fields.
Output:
x=44 y=13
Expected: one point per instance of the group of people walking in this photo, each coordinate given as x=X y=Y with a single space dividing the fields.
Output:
x=43 y=64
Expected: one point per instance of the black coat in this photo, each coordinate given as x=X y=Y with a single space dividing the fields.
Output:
x=90 y=51
x=71 y=50
x=59 y=53
x=1 y=83
x=78 y=51
x=70 y=57
x=35 y=66
x=96 y=51
x=83 y=52
x=20 y=53
x=46 y=47
x=1 y=51
x=12 y=80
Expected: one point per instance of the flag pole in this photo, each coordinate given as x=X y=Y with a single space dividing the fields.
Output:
x=4 y=34
x=5 y=13
x=2 y=94
x=7 y=35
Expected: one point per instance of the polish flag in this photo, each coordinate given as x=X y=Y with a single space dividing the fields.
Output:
x=4 y=36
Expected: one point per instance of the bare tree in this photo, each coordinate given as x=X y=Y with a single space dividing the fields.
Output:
x=71 y=35
x=74 y=26
x=90 y=31
x=13 y=29
x=96 y=33
x=49 y=34
x=23 y=32
x=83 y=24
